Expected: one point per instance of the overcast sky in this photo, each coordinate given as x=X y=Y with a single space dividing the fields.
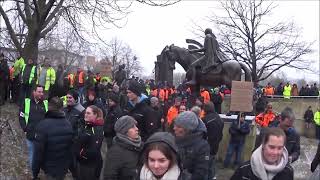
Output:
x=150 y=29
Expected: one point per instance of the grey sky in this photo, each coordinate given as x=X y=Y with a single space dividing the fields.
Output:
x=150 y=29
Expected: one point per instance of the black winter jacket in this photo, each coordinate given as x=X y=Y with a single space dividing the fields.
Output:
x=316 y=159
x=26 y=74
x=75 y=114
x=308 y=116
x=194 y=152
x=36 y=114
x=244 y=172
x=145 y=117
x=52 y=145
x=214 y=126
x=121 y=161
x=112 y=116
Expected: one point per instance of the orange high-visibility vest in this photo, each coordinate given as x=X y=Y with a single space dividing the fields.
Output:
x=11 y=71
x=264 y=119
x=269 y=91
x=166 y=93
x=206 y=96
x=172 y=114
x=81 y=77
x=71 y=80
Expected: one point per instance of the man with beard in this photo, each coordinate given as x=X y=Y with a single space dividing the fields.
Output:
x=74 y=114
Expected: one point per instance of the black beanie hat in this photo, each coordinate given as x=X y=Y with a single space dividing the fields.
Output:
x=135 y=88
x=74 y=94
x=114 y=97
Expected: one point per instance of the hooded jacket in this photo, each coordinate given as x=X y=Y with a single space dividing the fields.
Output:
x=144 y=115
x=194 y=152
x=168 y=139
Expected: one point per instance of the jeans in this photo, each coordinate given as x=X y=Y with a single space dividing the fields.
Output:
x=212 y=167
x=233 y=147
x=30 y=152
x=81 y=91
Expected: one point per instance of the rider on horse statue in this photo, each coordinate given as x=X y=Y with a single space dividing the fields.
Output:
x=212 y=57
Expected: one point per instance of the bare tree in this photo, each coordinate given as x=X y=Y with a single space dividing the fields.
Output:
x=264 y=47
x=41 y=16
x=64 y=39
x=120 y=53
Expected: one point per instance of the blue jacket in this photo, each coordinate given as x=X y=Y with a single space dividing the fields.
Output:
x=238 y=133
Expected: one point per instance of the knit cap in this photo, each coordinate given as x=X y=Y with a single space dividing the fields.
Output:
x=114 y=97
x=135 y=88
x=188 y=120
x=124 y=123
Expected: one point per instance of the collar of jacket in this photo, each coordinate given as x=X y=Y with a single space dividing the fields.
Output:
x=189 y=139
x=126 y=145
x=55 y=114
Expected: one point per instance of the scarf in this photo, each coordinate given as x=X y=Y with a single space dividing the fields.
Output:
x=266 y=171
x=172 y=174
x=125 y=139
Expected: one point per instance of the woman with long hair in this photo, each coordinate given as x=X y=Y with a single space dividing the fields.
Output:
x=160 y=159
x=90 y=140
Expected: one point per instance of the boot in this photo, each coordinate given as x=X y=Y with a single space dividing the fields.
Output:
x=192 y=82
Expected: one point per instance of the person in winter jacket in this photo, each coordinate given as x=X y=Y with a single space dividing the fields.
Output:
x=265 y=118
x=90 y=140
x=114 y=113
x=74 y=112
x=238 y=131
x=316 y=160
x=217 y=100
x=122 y=158
x=158 y=112
x=139 y=109
x=269 y=161
x=92 y=99
x=53 y=143
x=28 y=79
x=308 y=117
x=160 y=159
x=194 y=149
x=292 y=137
x=31 y=112
x=173 y=111
x=316 y=119
x=214 y=126
x=4 y=80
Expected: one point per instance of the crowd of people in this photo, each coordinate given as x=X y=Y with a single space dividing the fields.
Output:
x=287 y=90
x=96 y=128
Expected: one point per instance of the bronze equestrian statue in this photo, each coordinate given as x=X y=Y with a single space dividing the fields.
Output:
x=223 y=73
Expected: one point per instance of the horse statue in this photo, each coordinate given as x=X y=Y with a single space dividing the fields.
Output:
x=224 y=73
